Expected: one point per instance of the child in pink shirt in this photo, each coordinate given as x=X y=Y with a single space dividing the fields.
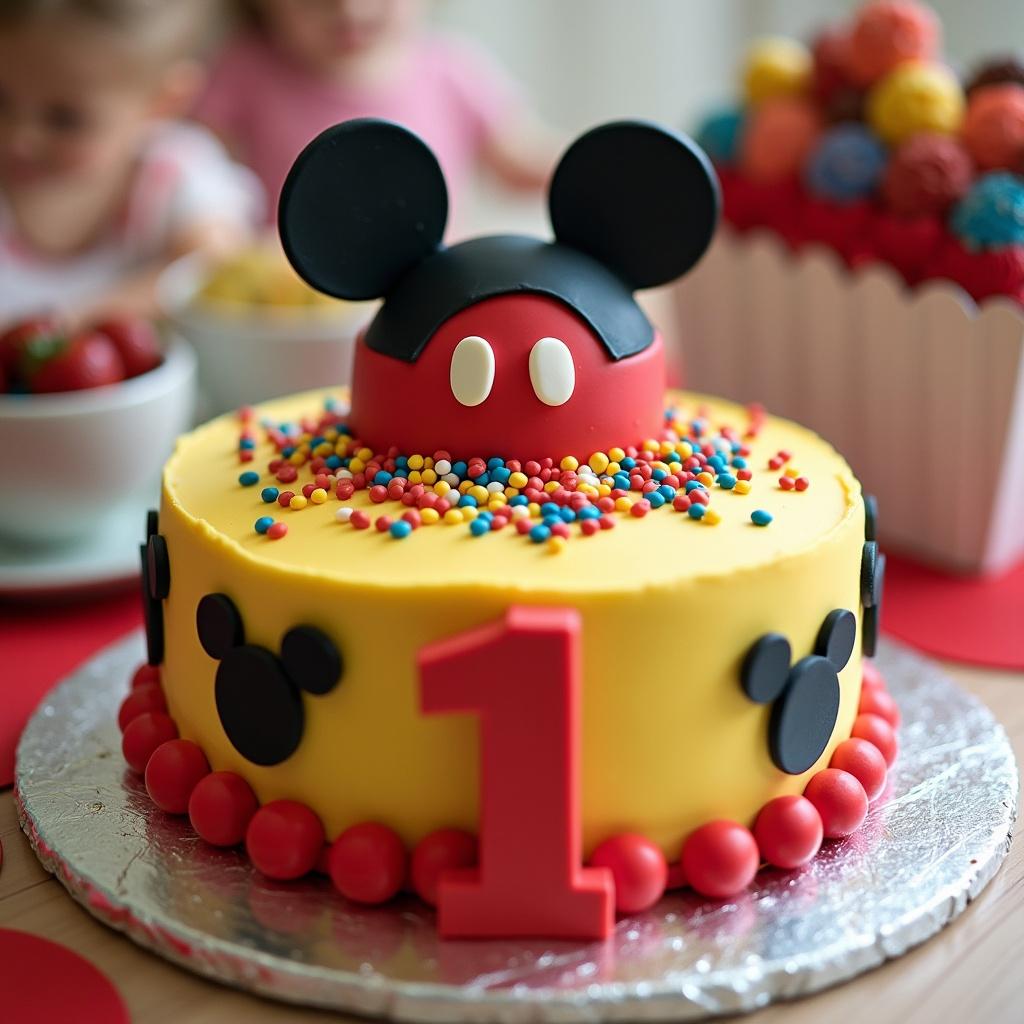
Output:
x=305 y=65
x=99 y=187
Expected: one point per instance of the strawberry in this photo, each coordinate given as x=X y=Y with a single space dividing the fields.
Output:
x=137 y=343
x=27 y=344
x=88 y=360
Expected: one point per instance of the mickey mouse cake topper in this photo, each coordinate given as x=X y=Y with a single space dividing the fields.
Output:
x=507 y=344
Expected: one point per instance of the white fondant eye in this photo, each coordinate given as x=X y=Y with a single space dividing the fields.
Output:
x=472 y=371
x=552 y=371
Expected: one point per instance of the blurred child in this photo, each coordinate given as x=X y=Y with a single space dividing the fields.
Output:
x=99 y=187
x=303 y=65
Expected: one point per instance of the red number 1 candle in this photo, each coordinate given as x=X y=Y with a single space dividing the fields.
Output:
x=521 y=675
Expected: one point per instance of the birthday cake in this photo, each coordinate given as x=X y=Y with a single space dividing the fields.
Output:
x=510 y=626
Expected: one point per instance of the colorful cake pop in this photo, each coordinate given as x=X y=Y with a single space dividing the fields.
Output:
x=993 y=129
x=719 y=136
x=775 y=67
x=829 y=60
x=915 y=98
x=887 y=34
x=997 y=71
x=926 y=175
x=777 y=137
x=991 y=215
x=846 y=164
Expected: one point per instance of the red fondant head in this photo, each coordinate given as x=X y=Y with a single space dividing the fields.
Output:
x=413 y=405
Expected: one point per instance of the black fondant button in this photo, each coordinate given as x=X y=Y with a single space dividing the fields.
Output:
x=765 y=668
x=836 y=637
x=870 y=517
x=159 y=567
x=152 y=614
x=872 y=619
x=804 y=716
x=152 y=522
x=219 y=625
x=869 y=583
x=259 y=708
x=311 y=659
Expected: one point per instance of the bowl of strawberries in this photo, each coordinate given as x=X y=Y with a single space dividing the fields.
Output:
x=87 y=418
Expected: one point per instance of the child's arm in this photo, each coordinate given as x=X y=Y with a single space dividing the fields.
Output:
x=135 y=295
x=212 y=210
x=511 y=140
x=521 y=152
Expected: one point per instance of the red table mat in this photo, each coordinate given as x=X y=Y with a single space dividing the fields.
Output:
x=40 y=644
x=978 y=621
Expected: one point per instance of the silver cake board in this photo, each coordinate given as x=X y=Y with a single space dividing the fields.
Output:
x=930 y=844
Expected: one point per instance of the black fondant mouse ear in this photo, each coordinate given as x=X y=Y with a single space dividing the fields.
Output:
x=642 y=200
x=364 y=202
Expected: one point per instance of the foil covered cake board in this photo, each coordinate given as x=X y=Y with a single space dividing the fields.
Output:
x=930 y=844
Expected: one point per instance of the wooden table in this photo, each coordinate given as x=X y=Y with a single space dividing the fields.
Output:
x=969 y=972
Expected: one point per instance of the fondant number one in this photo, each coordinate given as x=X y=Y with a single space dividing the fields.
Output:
x=521 y=675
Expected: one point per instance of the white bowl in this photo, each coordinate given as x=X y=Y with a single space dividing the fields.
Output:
x=250 y=353
x=68 y=460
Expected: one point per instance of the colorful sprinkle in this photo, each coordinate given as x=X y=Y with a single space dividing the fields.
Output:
x=548 y=500
x=759 y=517
x=264 y=523
x=277 y=531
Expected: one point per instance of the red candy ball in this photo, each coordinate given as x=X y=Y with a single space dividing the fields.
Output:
x=878 y=702
x=436 y=853
x=146 y=674
x=840 y=800
x=877 y=730
x=864 y=762
x=720 y=859
x=788 y=831
x=871 y=678
x=284 y=839
x=638 y=868
x=221 y=807
x=173 y=772
x=143 y=735
x=143 y=698
x=367 y=863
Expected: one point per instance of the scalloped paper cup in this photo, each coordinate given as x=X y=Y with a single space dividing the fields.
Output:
x=920 y=389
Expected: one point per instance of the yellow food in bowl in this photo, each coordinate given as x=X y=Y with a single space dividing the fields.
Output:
x=261 y=277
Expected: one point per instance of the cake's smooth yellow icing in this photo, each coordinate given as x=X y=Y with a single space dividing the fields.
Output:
x=669 y=606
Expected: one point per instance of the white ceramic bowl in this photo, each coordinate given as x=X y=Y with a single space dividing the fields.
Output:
x=68 y=460
x=250 y=353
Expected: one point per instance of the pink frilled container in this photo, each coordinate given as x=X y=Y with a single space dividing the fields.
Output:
x=921 y=389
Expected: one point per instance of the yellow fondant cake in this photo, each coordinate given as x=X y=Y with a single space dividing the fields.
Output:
x=669 y=605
